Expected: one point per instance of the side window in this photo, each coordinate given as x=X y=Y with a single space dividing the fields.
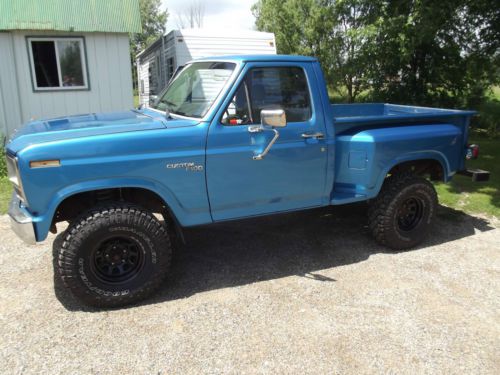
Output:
x=270 y=88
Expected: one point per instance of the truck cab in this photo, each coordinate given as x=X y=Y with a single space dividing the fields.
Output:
x=230 y=138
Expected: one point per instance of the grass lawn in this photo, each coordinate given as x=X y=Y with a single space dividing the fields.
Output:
x=476 y=197
x=5 y=194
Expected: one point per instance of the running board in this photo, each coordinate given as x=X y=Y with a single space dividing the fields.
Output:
x=344 y=198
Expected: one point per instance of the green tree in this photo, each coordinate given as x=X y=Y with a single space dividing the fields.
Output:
x=336 y=32
x=352 y=47
x=413 y=51
x=154 y=23
x=434 y=53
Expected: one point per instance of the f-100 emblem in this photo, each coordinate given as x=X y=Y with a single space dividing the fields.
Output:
x=190 y=167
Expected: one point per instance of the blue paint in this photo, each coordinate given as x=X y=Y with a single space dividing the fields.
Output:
x=362 y=143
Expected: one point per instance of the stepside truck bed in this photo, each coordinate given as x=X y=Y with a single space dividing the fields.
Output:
x=370 y=138
x=382 y=113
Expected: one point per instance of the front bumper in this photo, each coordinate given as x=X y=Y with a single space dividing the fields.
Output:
x=21 y=221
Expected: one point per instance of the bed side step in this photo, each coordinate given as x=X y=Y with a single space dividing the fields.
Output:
x=478 y=175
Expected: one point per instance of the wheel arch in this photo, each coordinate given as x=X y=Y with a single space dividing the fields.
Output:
x=431 y=163
x=142 y=192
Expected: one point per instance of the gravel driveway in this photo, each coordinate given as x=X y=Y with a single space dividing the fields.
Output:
x=307 y=292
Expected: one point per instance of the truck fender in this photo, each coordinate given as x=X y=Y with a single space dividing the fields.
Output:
x=413 y=156
x=43 y=222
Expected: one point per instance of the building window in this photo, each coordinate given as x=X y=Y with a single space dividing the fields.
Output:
x=58 y=63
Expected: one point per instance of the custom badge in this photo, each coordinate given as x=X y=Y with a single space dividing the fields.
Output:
x=190 y=167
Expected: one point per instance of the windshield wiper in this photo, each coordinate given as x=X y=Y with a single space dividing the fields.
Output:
x=180 y=113
x=167 y=102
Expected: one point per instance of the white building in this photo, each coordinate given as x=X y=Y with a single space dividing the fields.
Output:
x=61 y=57
x=157 y=63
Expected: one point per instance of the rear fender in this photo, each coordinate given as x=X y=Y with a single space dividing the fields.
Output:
x=414 y=156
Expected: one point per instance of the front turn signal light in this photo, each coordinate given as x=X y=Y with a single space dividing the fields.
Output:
x=45 y=163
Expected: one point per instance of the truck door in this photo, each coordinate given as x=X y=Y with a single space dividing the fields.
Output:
x=240 y=181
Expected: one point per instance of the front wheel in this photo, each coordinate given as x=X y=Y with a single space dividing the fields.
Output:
x=114 y=255
x=402 y=215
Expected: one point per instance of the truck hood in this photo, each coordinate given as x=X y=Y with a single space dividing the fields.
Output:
x=88 y=125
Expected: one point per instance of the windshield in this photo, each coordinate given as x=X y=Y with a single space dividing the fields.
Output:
x=195 y=89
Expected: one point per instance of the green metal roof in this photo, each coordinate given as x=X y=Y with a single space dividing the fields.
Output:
x=120 y=16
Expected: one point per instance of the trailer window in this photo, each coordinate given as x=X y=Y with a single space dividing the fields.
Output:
x=270 y=88
x=171 y=67
x=58 y=63
x=195 y=88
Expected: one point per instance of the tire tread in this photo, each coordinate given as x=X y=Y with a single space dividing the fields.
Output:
x=104 y=216
x=382 y=208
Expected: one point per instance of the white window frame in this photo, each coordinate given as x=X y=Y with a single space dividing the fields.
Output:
x=83 y=61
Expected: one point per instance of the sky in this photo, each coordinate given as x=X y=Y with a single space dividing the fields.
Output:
x=234 y=14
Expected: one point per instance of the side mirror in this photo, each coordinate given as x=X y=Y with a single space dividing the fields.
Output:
x=270 y=120
x=275 y=118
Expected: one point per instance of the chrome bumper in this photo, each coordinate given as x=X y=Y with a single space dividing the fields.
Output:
x=21 y=222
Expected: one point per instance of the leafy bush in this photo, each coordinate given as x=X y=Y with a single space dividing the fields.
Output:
x=3 y=166
x=487 y=120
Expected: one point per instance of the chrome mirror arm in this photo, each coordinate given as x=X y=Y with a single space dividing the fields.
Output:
x=268 y=147
x=259 y=129
x=270 y=120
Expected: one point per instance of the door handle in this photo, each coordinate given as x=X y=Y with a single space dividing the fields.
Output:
x=317 y=135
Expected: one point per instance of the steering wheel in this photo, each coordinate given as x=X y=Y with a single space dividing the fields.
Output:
x=232 y=102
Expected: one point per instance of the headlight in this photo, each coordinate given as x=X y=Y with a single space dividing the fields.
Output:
x=14 y=178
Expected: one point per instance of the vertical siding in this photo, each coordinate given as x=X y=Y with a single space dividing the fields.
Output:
x=109 y=76
x=143 y=74
x=127 y=95
x=10 y=111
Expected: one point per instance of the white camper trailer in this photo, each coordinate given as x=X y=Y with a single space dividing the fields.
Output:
x=157 y=63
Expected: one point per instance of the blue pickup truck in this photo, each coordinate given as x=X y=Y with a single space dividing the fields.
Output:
x=231 y=137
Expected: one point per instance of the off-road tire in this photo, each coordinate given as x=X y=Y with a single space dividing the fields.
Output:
x=387 y=220
x=134 y=230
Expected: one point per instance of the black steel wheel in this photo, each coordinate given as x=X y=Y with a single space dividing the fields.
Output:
x=117 y=260
x=402 y=215
x=410 y=213
x=114 y=255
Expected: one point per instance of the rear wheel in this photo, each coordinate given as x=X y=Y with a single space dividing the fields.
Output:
x=402 y=215
x=114 y=255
